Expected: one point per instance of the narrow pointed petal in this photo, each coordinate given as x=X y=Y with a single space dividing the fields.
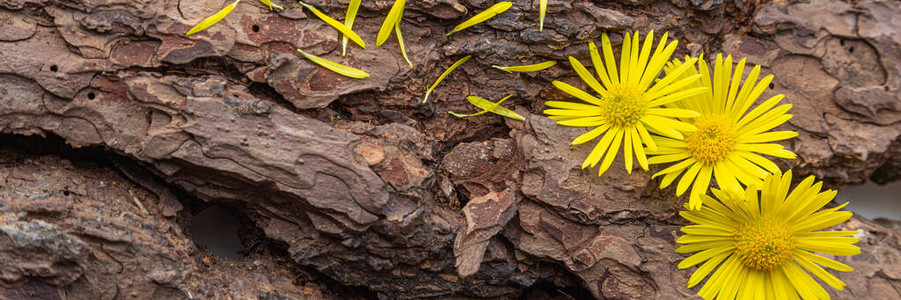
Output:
x=483 y=16
x=211 y=20
x=443 y=75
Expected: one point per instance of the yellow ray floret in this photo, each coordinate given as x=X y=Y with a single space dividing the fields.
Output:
x=730 y=138
x=206 y=23
x=440 y=78
x=624 y=106
x=488 y=106
x=764 y=239
x=483 y=16
x=335 y=67
x=349 y=22
x=526 y=68
x=272 y=5
x=542 y=9
x=400 y=40
x=337 y=25
x=391 y=21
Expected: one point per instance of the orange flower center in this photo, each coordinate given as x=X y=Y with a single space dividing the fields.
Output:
x=714 y=140
x=764 y=243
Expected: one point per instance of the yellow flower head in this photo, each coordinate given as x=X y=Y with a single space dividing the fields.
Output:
x=763 y=240
x=629 y=106
x=729 y=138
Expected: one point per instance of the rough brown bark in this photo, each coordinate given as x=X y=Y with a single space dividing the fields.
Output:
x=363 y=184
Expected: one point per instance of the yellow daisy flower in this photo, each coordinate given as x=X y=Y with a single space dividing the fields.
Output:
x=763 y=239
x=629 y=102
x=729 y=138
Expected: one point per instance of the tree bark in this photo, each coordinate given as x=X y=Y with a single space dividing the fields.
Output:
x=357 y=183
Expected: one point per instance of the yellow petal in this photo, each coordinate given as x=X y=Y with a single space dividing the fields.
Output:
x=826 y=262
x=598 y=64
x=611 y=153
x=702 y=256
x=658 y=60
x=495 y=107
x=582 y=95
x=542 y=9
x=702 y=182
x=586 y=76
x=705 y=269
x=443 y=75
x=673 y=112
x=627 y=149
x=461 y=116
x=348 y=21
x=272 y=5
x=639 y=150
x=819 y=272
x=582 y=122
x=526 y=68
x=695 y=247
x=400 y=39
x=590 y=135
x=335 y=67
x=642 y=62
x=337 y=25
x=390 y=22
x=206 y=23
x=483 y=16
x=668 y=158
x=595 y=155
x=487 y=106
x=730 y=271
x=646 y=137
x=677 y=96
x=624 y=59
x=569 y=105
x=572 y=112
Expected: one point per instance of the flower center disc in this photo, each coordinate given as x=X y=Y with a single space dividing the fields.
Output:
x=764 y=244
x=624 y=104
x=714 y=140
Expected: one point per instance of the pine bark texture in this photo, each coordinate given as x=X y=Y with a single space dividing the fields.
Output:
x=363 y=186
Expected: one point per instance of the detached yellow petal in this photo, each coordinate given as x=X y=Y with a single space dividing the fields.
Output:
x=542 y=9
x=335 y=67
x=206 y=23
x=495 y=107
x=440 y=78
x=483 y=16
x=337 y=25
x=348 y=21
x=472 y=100
x=526 y=68
x=272 y=5
x=390 y=22
x=488 y=106
x=400 y=39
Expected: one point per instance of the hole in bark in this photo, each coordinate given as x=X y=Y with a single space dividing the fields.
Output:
x=873 y=200
x=851 y=49
x=255 y=28
x=91 y=96
x=547 y=290
x=54 y=68
x=772 y=86
x=216 y=229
